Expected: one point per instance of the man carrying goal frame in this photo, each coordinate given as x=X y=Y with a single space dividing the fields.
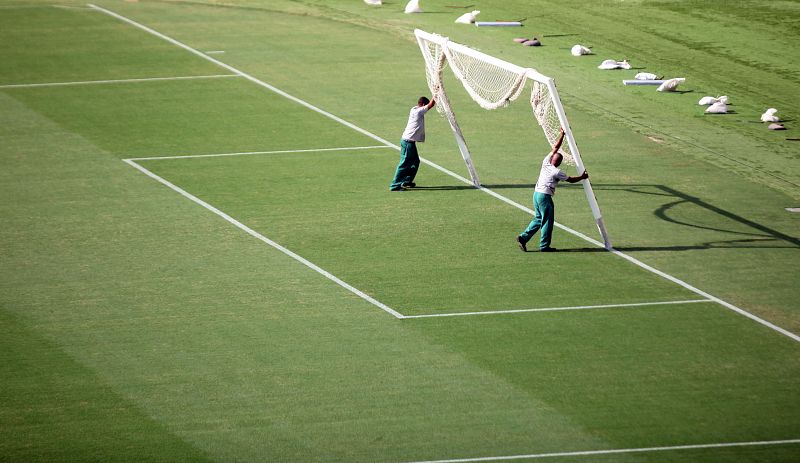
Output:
x=494 y=84
x=409 y=157
x=545 y=209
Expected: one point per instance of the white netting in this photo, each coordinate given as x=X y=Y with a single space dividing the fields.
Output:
x=434 y=64
x=490 y=85
x=545 y=113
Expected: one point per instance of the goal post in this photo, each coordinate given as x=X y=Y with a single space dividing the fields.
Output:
x=494 y=83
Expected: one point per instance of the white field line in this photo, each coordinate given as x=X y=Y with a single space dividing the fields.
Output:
x=448 y=172
x=115 y=81
x=266 y=240
x=494 y=312
x=214 y=52
x=247 y=153
x=555 y=309
x=131 y=161
x=617 y=451
x=68 y=7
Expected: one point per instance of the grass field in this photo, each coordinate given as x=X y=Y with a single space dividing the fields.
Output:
x=200 y=259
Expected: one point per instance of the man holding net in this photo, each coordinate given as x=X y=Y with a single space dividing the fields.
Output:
x=544 y=208
x=409 y=158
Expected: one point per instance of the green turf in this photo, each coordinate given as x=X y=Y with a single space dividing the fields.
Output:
x=47 y=44
x=137 y=325
x=203 y=116
x=373 y=240
x=57 y=409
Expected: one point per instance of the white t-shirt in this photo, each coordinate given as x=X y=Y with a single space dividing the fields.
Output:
x=549 y=177
x=415 y=129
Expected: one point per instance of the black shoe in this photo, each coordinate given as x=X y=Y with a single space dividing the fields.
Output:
x=548 y=250
x=409 y=185
x=521 y=244
x=397 y=189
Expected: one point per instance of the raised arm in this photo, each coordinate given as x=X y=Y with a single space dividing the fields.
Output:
x=559 y=142
x=431 y=103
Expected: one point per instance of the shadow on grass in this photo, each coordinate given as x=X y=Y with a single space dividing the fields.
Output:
x=529 y=186
x=696 y=247
x=760 y=235
x=443 y=188
x=524 y=186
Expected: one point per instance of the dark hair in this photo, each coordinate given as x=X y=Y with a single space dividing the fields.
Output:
x=423 y=100
x=557 y=158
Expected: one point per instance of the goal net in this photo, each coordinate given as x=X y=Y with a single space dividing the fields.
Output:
x=493 y=84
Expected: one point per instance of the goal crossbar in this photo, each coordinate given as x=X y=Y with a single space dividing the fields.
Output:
x=494 y=83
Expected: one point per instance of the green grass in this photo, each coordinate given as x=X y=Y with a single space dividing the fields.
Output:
x=371 y=241
x=137 y=325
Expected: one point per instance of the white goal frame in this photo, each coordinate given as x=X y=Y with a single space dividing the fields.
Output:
x=529 y=74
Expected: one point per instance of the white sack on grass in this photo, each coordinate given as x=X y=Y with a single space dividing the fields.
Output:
x=769 y=116
x=717 y=108
x=645 y=76
x=709 y=100
x=467 y=18
x=413 y=7
x=579 y=50
x=612 y=64
x=670 y=85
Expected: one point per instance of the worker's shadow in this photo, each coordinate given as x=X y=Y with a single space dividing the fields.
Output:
x=752 y=235
x=443 y=187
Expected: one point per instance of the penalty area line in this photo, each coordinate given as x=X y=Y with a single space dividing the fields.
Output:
x=248 y=153
x=618 y=451
x=266 y=240
x=555 y=309
x=115 y=81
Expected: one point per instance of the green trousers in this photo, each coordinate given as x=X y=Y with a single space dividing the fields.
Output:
x=408 y=166
x=544 y=217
